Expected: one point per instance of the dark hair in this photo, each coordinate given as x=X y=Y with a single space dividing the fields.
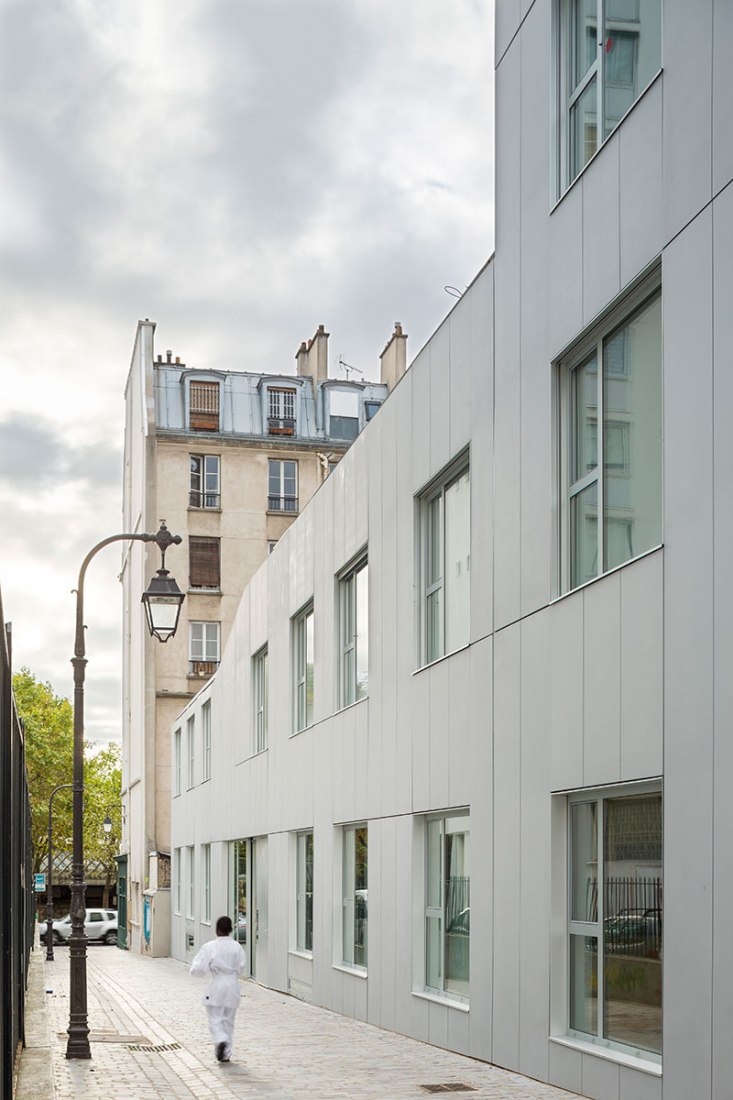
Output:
x=224 y=926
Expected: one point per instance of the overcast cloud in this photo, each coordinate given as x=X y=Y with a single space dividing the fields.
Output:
x=239 y=171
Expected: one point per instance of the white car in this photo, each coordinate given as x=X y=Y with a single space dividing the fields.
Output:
x=99 y=924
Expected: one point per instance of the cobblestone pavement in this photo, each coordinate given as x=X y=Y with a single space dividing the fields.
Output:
x=283 y=1049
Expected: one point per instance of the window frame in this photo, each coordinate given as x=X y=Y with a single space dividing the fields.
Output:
x=432 y=912
x=209 y=419
x=202 y=498
x=206 y=886
x=349 y=632
x=591 y=343
x=279 y=502
x=594 y=929
x=427 y=589
x=260 y=700
x=177 y=898
x=568 y=94
x=302 y=943
x=191 y=893
x=190 y=752
x=300 y=646
x=349 y=895
x=205 y=641
x=206 y=739
x=177 y=771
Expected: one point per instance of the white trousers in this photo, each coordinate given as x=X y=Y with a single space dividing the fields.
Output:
x=221 y=1025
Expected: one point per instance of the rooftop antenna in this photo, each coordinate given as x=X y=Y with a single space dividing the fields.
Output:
x=346 y=367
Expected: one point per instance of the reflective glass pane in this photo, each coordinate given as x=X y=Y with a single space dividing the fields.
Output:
x=632 y=436
x=457 y=905
x=361 y=896
x=456 y=573
x=433 y=971
x=434 y=644
x=584 y=381
x=583 y=128
x=632 y=48
x=632 y=926
x=362 y=633
x=585 y=35
x=584 y=861
x=584 y=536
x=433 y=891
x=584 y=984
x=309 y=669
x=348 y=902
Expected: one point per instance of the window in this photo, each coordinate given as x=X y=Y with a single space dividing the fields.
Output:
x=204 y=565
x=191 y=752
x=445 y=563
x=177 y=762
x=610 y=51
x=204 y=649
x=281 y=411
x=259 y=682
x=370 y=409
x=203 y=413
x=343 y=414
x=615 y=918
x=177 y=879
x=355 y=896
x=191 y=897
x=204 y=490
x=447 y=905
x=611 y=491
x=282 y=492
x=206 y=874
x=206 y=733
x=354 y=613
x=238 y=889
x=303 y=652
x=304 y=900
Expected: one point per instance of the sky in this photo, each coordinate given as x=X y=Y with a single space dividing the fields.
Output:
x=239 y=171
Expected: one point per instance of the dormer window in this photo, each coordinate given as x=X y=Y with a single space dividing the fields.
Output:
x=203 y=413
x=281 y=412
x=343 y=414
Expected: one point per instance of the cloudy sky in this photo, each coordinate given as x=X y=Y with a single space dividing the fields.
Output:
x=239 y=171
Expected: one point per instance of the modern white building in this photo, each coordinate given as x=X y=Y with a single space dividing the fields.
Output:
x=483 y=798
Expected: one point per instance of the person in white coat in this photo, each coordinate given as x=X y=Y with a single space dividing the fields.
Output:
x=223 y=960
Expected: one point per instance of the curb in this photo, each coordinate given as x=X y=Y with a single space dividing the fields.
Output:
x=34 y=1079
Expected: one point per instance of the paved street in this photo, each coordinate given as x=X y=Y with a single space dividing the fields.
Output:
x=149 y=1039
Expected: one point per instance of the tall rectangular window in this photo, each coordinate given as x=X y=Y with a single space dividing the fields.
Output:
x=204 y=488
x=343 y=410
x=354 y=629
x=191 y=752
x=203 y=649
x=615 y=918
x=259 y=684
x=303 y=639
x=203 y=411
x=206 y=876
x=177 y=880
x=445 y=564
x=281 y=411
x=447 y=905
x=177 y=762
x=191 y=895
x=204 y=564
x=282 y=492
x=609 y=52
x=304 y=899
x=355 y=880
x=206 y=738
x=611 y=457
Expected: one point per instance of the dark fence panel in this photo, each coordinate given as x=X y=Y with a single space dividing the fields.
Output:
x=17 y=916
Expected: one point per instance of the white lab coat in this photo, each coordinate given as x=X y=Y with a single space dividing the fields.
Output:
x=224 y=960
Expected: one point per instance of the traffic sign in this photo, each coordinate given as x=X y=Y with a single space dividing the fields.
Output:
x=40 y=883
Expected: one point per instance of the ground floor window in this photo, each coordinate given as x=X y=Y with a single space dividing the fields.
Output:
x=615 y=918
x=447 y=905
x=355 y=896
x=304 y=899
x=239 y=891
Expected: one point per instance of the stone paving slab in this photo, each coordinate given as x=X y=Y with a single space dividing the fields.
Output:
x=284 y=1049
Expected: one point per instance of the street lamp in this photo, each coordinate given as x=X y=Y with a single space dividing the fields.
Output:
x=49 y=876
x=162 y=601
x=107 y=824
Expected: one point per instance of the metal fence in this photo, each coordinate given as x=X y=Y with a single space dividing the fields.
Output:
x=17 y=918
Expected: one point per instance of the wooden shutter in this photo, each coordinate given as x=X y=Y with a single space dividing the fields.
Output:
x=204 y=563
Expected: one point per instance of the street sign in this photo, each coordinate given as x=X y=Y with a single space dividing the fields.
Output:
x=40 y=883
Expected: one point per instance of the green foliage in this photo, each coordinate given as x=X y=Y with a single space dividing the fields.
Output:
x=48 y=720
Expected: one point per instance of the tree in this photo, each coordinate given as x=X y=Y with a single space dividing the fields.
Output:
x=48 y=720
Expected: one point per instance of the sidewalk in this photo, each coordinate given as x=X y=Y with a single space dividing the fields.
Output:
x=149 y=1039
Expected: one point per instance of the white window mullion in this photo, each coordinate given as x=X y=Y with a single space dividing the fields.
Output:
x=601 y=457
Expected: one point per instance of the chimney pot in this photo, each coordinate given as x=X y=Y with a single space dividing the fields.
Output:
x=168 y=356
x=178 y=360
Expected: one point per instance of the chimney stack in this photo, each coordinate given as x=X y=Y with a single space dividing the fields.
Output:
x=394 y=358
x=312 y=357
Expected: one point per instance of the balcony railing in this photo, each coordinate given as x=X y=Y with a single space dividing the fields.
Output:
x=202 y=668
x=198 y=499
x=282 y=504
x=280 y=425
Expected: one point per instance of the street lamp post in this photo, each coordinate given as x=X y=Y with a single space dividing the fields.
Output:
x=162 y=601
x=49 y=876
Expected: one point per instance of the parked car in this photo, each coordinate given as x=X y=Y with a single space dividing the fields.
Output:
x=634 y=932
x=241 y=931
x=99 y=924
